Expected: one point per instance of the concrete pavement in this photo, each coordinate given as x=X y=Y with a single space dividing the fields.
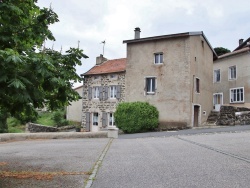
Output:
x=51 y=135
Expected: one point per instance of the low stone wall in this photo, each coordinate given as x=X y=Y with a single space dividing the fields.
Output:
x=35 y=128
x=230 y=115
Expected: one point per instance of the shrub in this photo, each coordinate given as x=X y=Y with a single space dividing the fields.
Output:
x=136 y=117
x=59 y=118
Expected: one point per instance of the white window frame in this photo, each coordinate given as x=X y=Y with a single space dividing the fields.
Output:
x=216 y=78
x=150 y=92
x=241 y=97
x=111 y=120
x=95 y=119
x=96 y=93
x=230 y=76
x=158 y=58
x=113 y=92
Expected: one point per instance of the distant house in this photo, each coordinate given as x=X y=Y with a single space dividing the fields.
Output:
x=74 y=110
x=173 y=73
x=232 y=77
x=103 y=89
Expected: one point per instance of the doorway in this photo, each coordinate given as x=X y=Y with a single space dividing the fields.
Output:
x=196 y=115
x=218 y=101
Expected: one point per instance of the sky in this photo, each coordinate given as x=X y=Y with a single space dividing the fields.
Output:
x=223 y=22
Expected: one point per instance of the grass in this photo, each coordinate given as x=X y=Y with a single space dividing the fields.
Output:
x=14 y=126
x=45 y=118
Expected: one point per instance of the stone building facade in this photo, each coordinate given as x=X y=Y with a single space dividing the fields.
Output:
x=103 y=90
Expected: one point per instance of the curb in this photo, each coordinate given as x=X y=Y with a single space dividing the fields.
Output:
x=61 y=135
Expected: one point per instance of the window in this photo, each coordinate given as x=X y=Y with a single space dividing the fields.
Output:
x=150 y=85
x=217 y=75
x=95 y=118
x=111 y=119
x=158 y=58
x=95 y=92
x=232 y=73
x=197 y=85
x=237 y=95
x=96 y=77
x=113 y=92
x=112 y=76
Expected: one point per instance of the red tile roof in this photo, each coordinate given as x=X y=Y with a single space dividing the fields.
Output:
x=234 y=52
x=110 y=66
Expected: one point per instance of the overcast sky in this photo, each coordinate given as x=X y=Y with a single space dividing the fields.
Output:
x=223 y=22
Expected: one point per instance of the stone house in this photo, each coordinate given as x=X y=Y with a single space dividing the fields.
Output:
x=174 y=73
x=232 y=77
x=103 y=89
x=74 y=110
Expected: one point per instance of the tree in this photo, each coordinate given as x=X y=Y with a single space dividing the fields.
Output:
x=32 y=78
x=220 y=50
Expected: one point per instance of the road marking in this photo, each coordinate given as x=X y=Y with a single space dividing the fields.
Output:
x=217 y=150
x=97 y=165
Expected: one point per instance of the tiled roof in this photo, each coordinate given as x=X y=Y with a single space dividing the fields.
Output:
x=110 y=66
x=234 y=52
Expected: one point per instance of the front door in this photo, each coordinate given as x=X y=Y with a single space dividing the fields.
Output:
x=218 y=101
x=196 y=115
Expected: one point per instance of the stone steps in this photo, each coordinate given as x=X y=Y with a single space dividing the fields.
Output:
x=212 y=118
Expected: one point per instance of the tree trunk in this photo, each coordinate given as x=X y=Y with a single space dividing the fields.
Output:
x=3 y=121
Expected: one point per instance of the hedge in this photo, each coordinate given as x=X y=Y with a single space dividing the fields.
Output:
x=134 y=117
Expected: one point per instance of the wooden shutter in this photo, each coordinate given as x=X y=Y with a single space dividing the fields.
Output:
x=118 y=91
x=106 y=93
x=104 y=119
x=90 y=93
x=87 y=121
x=100 y=93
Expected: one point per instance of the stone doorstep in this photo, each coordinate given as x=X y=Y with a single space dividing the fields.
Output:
x=53 y=135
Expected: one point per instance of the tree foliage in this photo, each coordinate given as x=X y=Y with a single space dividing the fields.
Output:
x=133 y=117
x=32 y=76
x=220 y=50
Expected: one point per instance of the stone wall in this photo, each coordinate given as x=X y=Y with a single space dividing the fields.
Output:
x=231 y=115
x=35 y=128
x=100 y=106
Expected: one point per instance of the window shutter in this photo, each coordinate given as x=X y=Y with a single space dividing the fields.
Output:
x=100 y=93
x=87 y=121
x=90 y=93
x=106 y=94
x=104 y=119
x=118 y=90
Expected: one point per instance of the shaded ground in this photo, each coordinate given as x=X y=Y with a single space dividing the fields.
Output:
x=48 y=163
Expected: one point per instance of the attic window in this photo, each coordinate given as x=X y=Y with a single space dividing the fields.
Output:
x=202 y=44
x=96 y=77
x=158 y=58
x=112 y=76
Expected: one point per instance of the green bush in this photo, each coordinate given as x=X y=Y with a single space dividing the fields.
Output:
x=13 y=122
x=136 y=117
x=59 y=118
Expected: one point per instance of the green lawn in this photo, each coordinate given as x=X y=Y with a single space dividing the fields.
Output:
x=45 y=118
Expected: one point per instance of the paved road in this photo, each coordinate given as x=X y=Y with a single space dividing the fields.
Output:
x=189 y=158
x=190 y=161
x=45 y=157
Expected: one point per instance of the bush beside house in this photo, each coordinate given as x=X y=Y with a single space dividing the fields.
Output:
x=134 y=117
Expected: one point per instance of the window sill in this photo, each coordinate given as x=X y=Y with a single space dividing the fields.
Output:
x=232 y=79
x=240 y=102
x=150 y=93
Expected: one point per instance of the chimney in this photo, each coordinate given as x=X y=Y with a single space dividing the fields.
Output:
x=240 y=41
x=100 y=60
x=137 y=32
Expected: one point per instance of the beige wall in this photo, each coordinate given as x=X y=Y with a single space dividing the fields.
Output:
x=174 y=96
x=74 y=111
x=242 y=62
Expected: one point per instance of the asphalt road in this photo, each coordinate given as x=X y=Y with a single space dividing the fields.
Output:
x=189 y=158
x=190 y=161
x=71 y=160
